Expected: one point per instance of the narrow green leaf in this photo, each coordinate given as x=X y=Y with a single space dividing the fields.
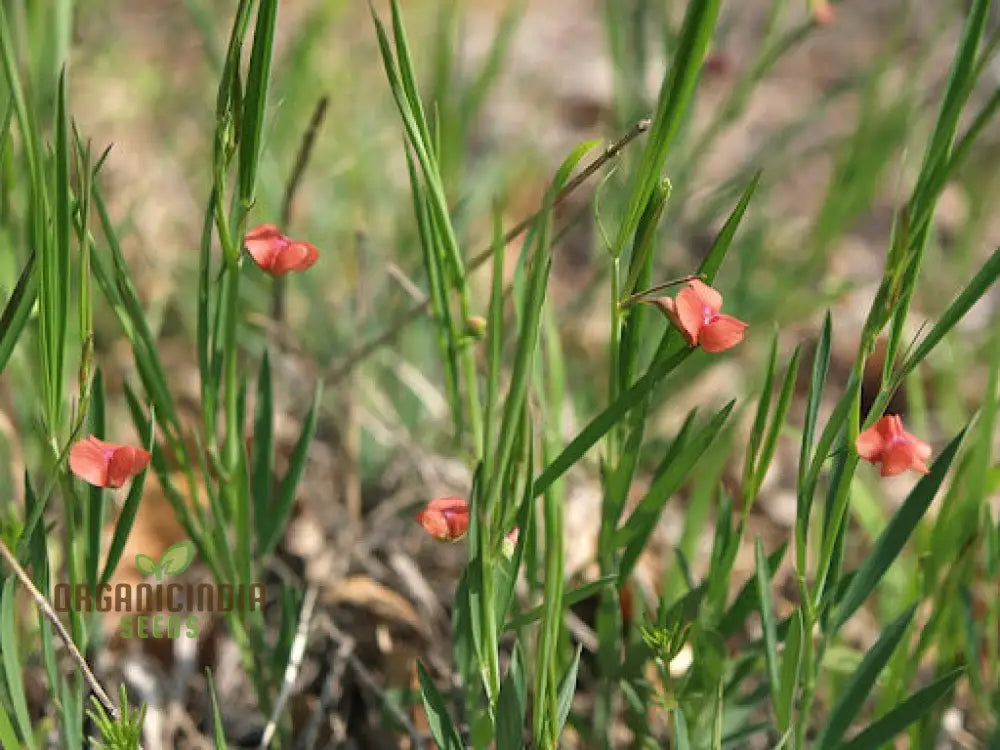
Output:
x=121 y=294
x=209 y=384
x=445 y=328
x=883 y=729
x=777 y=422
x=123 y=526
x=861 y=682
x=745 y=601
x=17 y=310
x=770 y=638
x=681 y=741
x=674 y=100
x=510 y=704
x=407 y=74
x=973 y=291
x=527 y=346
x=760 y=418
x=634 y=535
x=263 y=450
x=890 y=542
x=441 y=726
x=507 y=570
x=575 y=596
x=608 y=418
x=720 y=246
x=494 y=336
x=282 y=510
x=821 y=364
x=62 y=227
x=96 y=502
x=12 y=667
x=218 y=728
x=255 y=98
x=791 y=661
x=567 y=688
x=8 y=737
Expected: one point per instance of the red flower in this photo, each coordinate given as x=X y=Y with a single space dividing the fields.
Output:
x=276 y=254
x=445 y=518
x=887 y=443
x=695 y=313
x=104 y=464
x=823 y=13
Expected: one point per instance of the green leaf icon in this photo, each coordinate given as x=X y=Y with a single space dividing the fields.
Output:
x=145 y=564
x=177 y=558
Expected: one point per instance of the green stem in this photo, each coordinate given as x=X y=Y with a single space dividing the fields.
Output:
x=491 y=642
x=614 y=351
x=470 y=375
x=809 y=683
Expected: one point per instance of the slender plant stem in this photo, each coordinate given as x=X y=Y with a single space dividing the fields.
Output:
x=53 y=618
x=294 y=179
x=614 y=351
x=353 y=358
x=491 y=646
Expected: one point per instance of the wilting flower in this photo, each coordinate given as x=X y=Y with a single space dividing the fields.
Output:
x=445 y=518
x=887 y=443
x=105 y=464
x=275 y=253
x=695 y=313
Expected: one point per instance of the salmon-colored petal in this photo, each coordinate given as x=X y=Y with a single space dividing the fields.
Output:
x=891 y=427
x=298 y=256
x=921 y=449
x=445 y=518
x=262 y=232
x=723 y=332
x=897 y=458
x=917 y=465
x=263 y=252
x=125 y=463
x=448 y=504
x=88 y=460
x=688 y=315
x=870 y=444
x=433 y=523
x=706 y=294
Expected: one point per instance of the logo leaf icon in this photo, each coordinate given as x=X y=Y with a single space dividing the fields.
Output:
x=177 y=558
x=145 y=564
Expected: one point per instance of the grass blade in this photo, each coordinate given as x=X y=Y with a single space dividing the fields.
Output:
x=263 y=448
x=255 y=98
x=770 y=638
x=442 y=728
x=123 y=527
x=218 y=728
x=278 y=517
x=634 y=535
x=12 y=663
x=567 y=687
x=96 y=505
x=17 y=310
x=886 y=727
x=861 y=682
x=510 y=705
x=889 y=544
